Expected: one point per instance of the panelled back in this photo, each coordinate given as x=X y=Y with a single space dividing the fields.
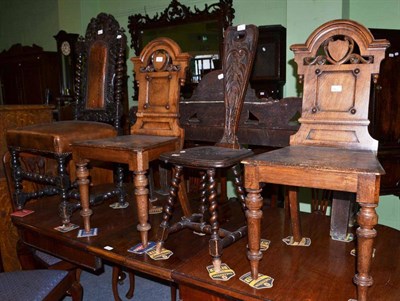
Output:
x=159 y=71
x=336 y=65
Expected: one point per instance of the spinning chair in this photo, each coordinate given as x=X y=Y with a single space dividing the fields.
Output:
x=239 y=51
x=98 y=114
x=332 y=149
x=159 y=71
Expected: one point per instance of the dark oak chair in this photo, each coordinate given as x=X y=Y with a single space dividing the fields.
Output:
x=98 y=114
x=38 y=285
x=160 y=71
x=332 y=149
x=239 y=51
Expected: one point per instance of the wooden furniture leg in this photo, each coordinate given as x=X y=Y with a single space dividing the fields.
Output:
x=82 y=173
x=142 y=202
x=294 y=213
x=254 y=202
x=215 y=243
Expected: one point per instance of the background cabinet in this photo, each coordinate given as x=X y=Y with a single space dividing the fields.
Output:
x=29 y=75
x=384 y=112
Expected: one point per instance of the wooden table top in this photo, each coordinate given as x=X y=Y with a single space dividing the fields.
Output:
x=322 y=271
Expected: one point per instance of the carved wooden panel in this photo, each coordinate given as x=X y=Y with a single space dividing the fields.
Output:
x=12 y=117
x=160 y=70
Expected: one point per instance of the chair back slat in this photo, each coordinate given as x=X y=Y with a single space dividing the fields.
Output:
x=336 y=65
x=240 y=45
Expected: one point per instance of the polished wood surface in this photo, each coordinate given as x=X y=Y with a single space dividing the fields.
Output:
x=332 y=148
x=160 y=71
x=239 y=52
x=322 y=271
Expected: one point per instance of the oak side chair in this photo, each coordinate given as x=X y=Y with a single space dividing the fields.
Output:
x=332 y=148
x=160 y=70
x=239 y=52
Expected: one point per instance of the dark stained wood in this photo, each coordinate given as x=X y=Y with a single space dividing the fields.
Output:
x=319 y=272
x=263 y=122
x=28 y=76
x=239 y=53
x=332 y=148
x=53 y=139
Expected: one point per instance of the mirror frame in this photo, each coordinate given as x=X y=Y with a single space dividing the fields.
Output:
x=179 y=14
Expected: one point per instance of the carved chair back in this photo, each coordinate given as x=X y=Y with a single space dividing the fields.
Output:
x=160 y=70
x=336 y=65
x=101 y=72
x=239 y=48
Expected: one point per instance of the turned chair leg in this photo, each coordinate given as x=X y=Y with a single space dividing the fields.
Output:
x=215 y=243
x=169 y=207
x=294 y=214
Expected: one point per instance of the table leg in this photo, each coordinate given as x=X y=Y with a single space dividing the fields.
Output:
x=142 y=202
x=254 y=202
x=82 y=173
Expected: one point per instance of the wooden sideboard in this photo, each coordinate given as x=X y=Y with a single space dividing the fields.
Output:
x=29 y=75
x=13 y=116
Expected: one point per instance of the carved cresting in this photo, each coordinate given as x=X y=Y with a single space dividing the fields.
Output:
x=336 y=68
x=339 y=50
x=240 y=44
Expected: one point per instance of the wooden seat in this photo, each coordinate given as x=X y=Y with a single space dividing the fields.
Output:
x=98 y=114
x=239 y=51
x=160 y=71
x=332 y=149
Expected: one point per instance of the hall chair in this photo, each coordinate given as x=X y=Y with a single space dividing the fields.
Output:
x=239 y=52
x=332 y=148
x=160 y=70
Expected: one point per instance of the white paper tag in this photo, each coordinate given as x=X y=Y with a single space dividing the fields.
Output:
x=262 y=93
x=119 y=36
x=241 y=27
x=336 y=88
x=159 y=59
x=220 y=76
x=100 y=31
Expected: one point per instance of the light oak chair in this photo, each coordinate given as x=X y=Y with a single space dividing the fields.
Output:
x=160 y=70
x=239 y=52
x=332 y=149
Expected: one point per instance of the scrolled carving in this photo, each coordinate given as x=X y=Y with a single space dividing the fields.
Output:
x=103 y=31
x=338 y=50
x=156 y=65
x=177 y=13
